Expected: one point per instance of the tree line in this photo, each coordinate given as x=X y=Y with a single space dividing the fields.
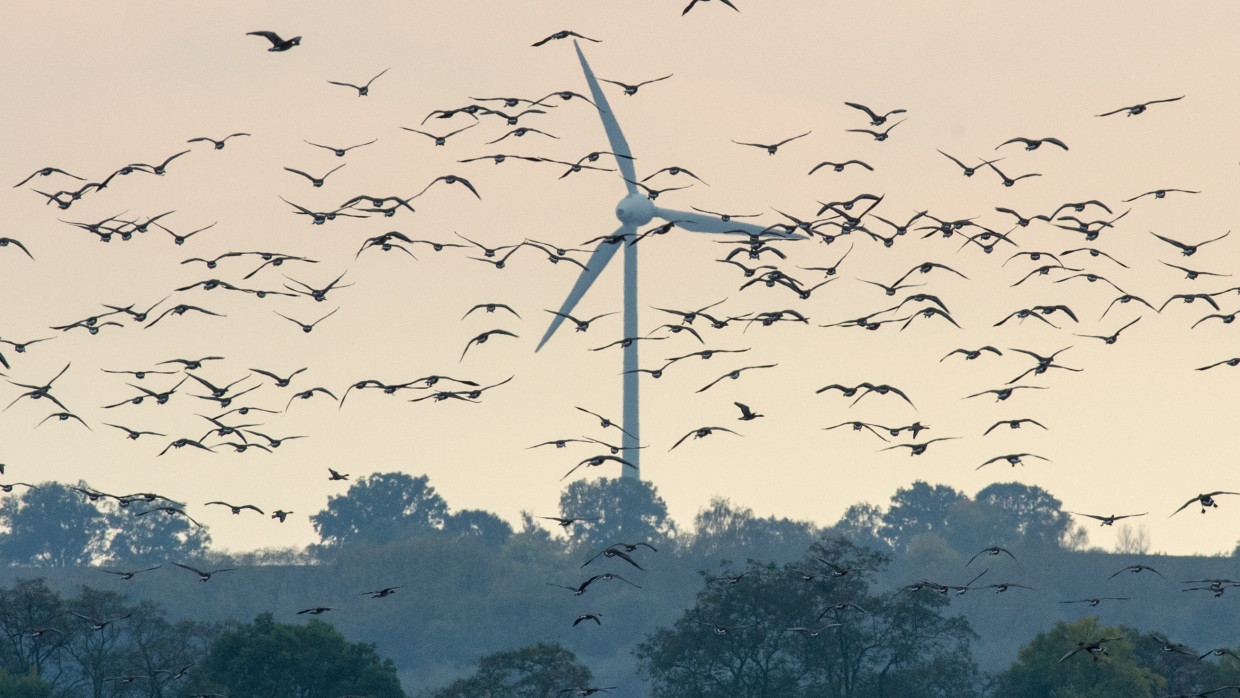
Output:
x=471 y=587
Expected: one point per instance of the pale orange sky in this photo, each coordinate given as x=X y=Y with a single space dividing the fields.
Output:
x=90 y=89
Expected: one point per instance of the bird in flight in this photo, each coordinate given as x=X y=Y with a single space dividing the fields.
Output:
x=1033 y=143
x=1160 y=194
x=315 y=181
x=876 y=119
x=700 y=433
x=630 y=90
x=563 y=34
x=1205 y=500
x=694 y=2
x=127 y=575
x=340 y=152
x=219 y=145
x=772 y=148
x=1137 y=109
x=204 y=576
x=733 y=375
x=1109 y=520
x=879 y=136
x=1186 y=249
x=277 y=43
x=969 y=171
x=362 y=90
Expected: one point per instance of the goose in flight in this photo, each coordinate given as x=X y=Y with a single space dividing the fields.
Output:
x=1138 y=109
x=630 y=90
x=1033 y=143
x=733 y=375
x=563 y=34
x=130 y=574
x=1096 y=648
x=694 y=2
x=970 y=171
x=876 y=119
x=701 y=432
x=916 y=449
x=1095 y=601
x=596 y=461
x=1137 y=569
x=236 y=509
x=1205 y=500
x=1012 y=459
x=773 y=147
x=1160 y=193
x=1013 y=424
x=219 y=145
x=1186 y=249
x=202 y=575
x=100 y=624
x=277 y=43
x=993 y=550
x=362 y=90
x=1108 y=520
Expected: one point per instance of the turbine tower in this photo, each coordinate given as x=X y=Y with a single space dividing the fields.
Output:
x=634 y=210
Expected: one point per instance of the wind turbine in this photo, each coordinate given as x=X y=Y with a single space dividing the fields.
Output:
x=634 y=210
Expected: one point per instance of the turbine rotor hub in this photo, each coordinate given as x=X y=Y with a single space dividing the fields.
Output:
x=635 y=209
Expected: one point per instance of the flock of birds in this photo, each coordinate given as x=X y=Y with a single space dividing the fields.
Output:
x=233 y=425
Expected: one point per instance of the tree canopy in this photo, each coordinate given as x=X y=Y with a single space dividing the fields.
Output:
x=274 y=660
x=55 y=525
x=616 y=509
x=810 y=628
x=51 y=525
x=381 y=508
x=543 y=670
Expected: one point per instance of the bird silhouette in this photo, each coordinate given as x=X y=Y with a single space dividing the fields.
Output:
x=1205 y=500
x=694 y=2
x=204 y=576
x=277 y=43
x=1033 y=143
x=219 y=145
x=315 y=181
x=772 y=148
x=1111 y=519
x=1138 y=109
x=362 y=90
x=563 y=34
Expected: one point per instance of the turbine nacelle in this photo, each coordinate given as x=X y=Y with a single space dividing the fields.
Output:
x=635 y=209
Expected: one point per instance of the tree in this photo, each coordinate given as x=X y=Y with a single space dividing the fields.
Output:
x=538 y=671
x=616 y=509
x=1132 y=541
x=381 y=508
x=33 y=620
x=1016 y=512
x=862 y=523
x=51 y=638
x=274 y=660
x=724 y=530
x=483 y=525
x=140 y=540
x=51 y=526
x=921 y=508
x=1039 y=672
x=796 y=631
x=26 y=686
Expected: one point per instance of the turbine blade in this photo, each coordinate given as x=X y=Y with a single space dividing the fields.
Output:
x=614 y=135
x=594 y=266
x=701 y=223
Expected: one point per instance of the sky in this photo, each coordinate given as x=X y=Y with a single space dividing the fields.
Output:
x=1137 y=429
